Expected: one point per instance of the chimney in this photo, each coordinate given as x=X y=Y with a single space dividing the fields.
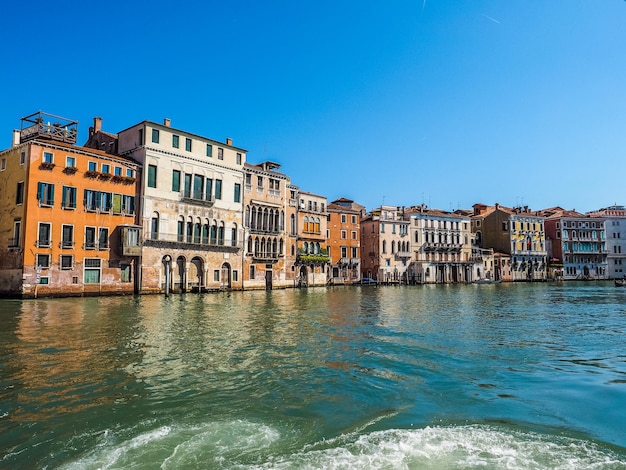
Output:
x=97 y=124
x=16 y=138
x=167 y=122
x=229 y=141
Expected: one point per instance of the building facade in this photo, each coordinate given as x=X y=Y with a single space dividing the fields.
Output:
x=311 y=253
x=191 y=208
x=516 y=232
x=270 y=228
x=344 y=241
x=615 y=229
x=385 y=245
x=67 y=215
x=441 y=243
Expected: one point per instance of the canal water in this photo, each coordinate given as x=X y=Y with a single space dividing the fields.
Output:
x=510 y=376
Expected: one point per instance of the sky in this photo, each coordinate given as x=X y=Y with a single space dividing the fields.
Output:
x=442 y=102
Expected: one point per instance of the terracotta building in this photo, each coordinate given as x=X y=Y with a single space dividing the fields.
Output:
x=67 y=214
x=344 y=240
x=312 y=252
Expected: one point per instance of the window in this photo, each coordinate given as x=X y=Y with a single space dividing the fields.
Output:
x=220 y=153
x=128 y=204
x=505 y=226
x=43 y=234
x=129 y=173
x=70 y=162
x=152 y=175
x=140 y=135
x=68 y=198
x=252 y=272
x=92 y=166
x=175 y=140
x=216 y=275
x=233 y=236
x=180 y=230
x=209 y=189
x=344 y=234
x=353 y=219
x=22 y=158
x=92 y=270
x=117 y=171
x=259 y=182
x=198 y=186
x=155 y=136
x=67 y=236
x=355 y=252
x=154 y=226
x=17 y=229
x=188 y=145
x=43 y=261
x=45 y=194
x=67 y=261
x=103 y=238
x=90 y=238
x=209 y=150
x=235 y=275
x=237 y=192
x=187 y=185
x=19 y=193
x=218 y=189
x=176 y=180
x=382 y=228
x=125 y=272
x=48 y=157
x=343 y=218
x=238 y=158
x=3 y=164
x=106 y=168
x=353 y=234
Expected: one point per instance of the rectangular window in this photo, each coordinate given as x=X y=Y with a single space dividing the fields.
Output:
x=70 y=162
x=239 y=158
x=235 y=275
x=152 y=176
x=175 y=140
x=176 y=181
x=125 y=273
x=17 y=229
x=198 y=186
x=216 y=275
x=233 y=236
x=209 y=189
x=43 y=235
x=343 y=218
x=188 y=145
x=117 y=171
x=67 y=236
x=187 y=185
x=344 y=251
x=92 y=199
x=355 y=252
x=344 y=235
x=68 y=198
x=48 y=157
x=129 y=173
x=220 y=153
x=92 y=166
x=209 y=150
x=218 y=189
x=353 y=234
x=106 y=169
x=252 y=272
x=155 y=136
x=66 y=261
x=140 y=135
x=43 y=261
x=103 y=238
x=354 y=219
x=92 y=270
x=19 y=193
x=237 y=192
x=22 y=158
x=90 y=238
x=117 y=204
x=128 y=204
x=3 y=164
x=45 y=194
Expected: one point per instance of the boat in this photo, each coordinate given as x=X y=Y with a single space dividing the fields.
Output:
x=620 y=282
x=488 y=281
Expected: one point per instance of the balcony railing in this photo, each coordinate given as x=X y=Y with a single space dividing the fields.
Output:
x=197 y=199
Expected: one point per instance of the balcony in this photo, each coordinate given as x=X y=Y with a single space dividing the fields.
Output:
x=49 y=127
x=312 y=258
x=403 y=254
x=196 y=199
x=267 y=257
x=66 y=245
x=182 y=241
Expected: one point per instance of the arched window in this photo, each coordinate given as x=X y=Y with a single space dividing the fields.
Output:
x=233 y=235
x=154 y=226
x=205 y=232
x=263 y=247
x=281 y=227
x=305 y=228
x=180 y=229
x=250 y=246
x=274 y=248
x=265 y=216
x=317 y=247
x=384 y=246
x=247 y=216
x=305 y=247
x=213 y=233
x=281 y=247
x=317 y=226
x=393 y=247
x=189 y=230
x=292 y=224
x=196 y=231
x=256 y=246
x=220 y=234
x=253 y=220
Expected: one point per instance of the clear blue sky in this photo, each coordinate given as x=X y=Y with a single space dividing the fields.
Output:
x=446 y=102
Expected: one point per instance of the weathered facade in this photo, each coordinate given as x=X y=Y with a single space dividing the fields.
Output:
x=270 y=228
x=67 y=215
x=191 y=208
x=344 y=241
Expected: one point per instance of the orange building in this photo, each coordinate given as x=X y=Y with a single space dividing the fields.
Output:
x=344 y=240
x=312 y=256
x=67 y=214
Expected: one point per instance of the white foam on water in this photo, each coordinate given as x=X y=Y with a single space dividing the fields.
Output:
x=243 y=444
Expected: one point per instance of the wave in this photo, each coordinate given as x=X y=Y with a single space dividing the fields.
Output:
x=247 y=445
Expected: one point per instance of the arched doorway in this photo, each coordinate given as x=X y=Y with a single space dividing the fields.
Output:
x=303 y=278
x=180 y=281
x=196 y=274
x=225 y=277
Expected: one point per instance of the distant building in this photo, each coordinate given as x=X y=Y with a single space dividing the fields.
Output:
x=385 y=245
x=270 y=228
x=516 y=232
x=67 y=215
x=615 y=229
x=441 y=242
x=344 y=240
x=191 y=208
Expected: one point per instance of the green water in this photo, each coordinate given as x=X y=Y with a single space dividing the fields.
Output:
x=490 y=376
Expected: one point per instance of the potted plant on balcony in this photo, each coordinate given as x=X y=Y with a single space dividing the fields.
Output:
x=46 y=166
x=70 y=170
